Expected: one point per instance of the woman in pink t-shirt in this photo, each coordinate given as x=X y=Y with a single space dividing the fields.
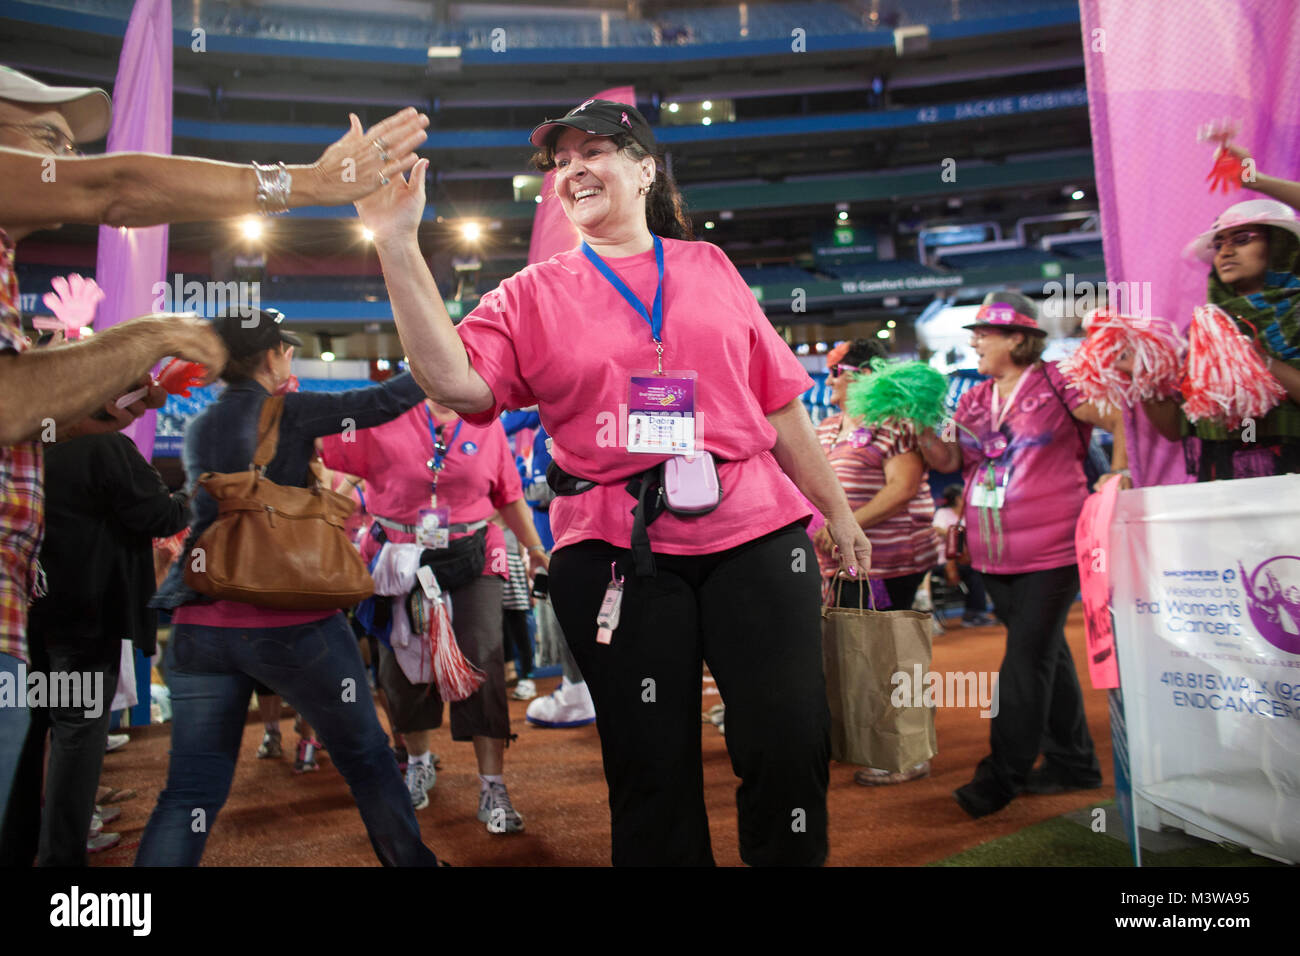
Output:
x=425 y=453
x=884 y=477
x=643 y=600
x=1021 y=440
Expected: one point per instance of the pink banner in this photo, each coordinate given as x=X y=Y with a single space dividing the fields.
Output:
x=1157 y=71
x=552 y=231
x=131 y=261
x=1092 y=549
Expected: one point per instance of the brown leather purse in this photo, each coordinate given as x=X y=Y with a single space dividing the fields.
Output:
x=275 y=546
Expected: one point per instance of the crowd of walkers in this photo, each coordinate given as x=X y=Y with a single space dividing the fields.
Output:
x=665 y=552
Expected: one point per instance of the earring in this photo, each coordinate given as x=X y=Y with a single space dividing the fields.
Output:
x=643 y=191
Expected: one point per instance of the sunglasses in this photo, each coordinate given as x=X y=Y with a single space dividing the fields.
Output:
x=51 y=137
x=837 y=370
x=1236 y=239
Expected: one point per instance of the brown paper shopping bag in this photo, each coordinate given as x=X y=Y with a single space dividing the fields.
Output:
x=862 y=650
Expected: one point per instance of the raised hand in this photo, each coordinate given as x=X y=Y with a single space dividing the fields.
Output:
x=394 y=211
x=363 y=161
x=73 y=302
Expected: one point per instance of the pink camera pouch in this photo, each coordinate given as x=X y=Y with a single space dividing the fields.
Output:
x=690 y=485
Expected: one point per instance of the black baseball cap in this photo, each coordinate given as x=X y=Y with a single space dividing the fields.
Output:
x=246 y=331
x=603 y=118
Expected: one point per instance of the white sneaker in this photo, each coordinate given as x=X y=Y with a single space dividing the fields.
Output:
x=419 y=780
x=569 y=705
x=525 y=690
x=116 y=742
x=496 y=810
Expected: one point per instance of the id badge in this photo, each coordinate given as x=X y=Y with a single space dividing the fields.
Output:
x=661 y=413
x=434 y=528
x=982 y=496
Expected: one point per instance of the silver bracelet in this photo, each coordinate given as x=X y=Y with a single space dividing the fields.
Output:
x=274 y=183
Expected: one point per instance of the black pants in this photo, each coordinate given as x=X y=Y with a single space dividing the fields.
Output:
x=514 y=624
x=751 y=612
x=56 y=835
x=1040 y=704
x=977 y=602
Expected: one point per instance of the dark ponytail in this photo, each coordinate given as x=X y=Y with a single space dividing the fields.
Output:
x=665 y=209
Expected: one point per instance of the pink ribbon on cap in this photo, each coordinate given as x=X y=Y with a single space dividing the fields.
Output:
x=625 y=121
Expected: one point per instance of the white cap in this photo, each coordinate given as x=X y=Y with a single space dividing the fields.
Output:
x=1252 y=212
x=87 y=109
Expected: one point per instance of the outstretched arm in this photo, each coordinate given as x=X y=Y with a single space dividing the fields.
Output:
x=438 y=358
x=144 y=189
x=68 y=382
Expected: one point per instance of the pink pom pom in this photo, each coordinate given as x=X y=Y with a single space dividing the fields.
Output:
x=1152 y=344
x=1226 y=381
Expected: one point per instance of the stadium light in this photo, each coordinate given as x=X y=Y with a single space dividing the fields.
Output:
x=672 y=107
x=367 y=234
x=708 y=224
x=890 y=324
x=1077 y=194
x=471 y=231
x=706 y=121
x=843 y=216
x=251 y=228
x=883 y=334
x=707 y=105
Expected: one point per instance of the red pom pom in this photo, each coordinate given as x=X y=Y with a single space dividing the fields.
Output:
x=455 y=676
x=1154 y=347
x=1226 y=381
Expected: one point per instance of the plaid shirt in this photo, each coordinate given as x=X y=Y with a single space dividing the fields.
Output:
x=22 y=499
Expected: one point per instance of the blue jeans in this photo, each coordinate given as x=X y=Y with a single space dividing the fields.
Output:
x=13 y=730
x=317 y=668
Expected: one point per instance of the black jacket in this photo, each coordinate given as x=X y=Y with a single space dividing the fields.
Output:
x=223 y=437
x=104 y=505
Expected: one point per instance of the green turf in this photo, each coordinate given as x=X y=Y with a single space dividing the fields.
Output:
x=1062 y=842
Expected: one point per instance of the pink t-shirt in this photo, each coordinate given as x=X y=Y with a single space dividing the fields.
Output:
x=239 y=614
x=902 y=544
x=478 y=477
x=1042 y=467
x=560 y=336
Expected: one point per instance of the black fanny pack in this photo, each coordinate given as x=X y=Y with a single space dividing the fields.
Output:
x=456 y=565
x=647 y=488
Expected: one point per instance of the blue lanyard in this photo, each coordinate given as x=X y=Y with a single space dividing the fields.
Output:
x=654 y=318
x=438 y=456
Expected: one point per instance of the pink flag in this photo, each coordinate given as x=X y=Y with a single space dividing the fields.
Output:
x=1156 y=72
x=552 y=231
x=1092 y=549
x=131 y=261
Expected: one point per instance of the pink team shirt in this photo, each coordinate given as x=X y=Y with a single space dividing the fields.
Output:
x=478 y=477
x=1046 y=486
x=558 y=335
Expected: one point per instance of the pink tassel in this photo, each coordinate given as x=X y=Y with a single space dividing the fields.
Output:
x=1226 y=381
x=455 y=676
x=1156 y=350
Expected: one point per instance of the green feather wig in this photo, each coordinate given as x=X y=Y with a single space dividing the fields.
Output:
x=899 y=391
